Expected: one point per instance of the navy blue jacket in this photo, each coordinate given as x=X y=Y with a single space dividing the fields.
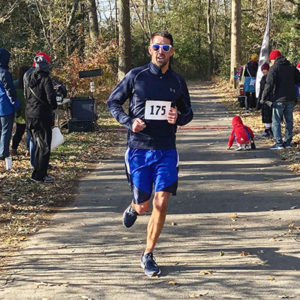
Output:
x=8 y=95
x=149 y=83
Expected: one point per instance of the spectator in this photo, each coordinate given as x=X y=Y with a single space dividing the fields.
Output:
x=280 y=88
x=40 y=103
x=242 y=134
x=249 y=85
x=8 y=103
x=20 y=120
x=266 y=110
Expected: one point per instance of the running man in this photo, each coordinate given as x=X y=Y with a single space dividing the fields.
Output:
x=159 y=101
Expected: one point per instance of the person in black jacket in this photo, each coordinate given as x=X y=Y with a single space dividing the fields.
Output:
x=40 y=102
x=280 y=88
x=266 y=110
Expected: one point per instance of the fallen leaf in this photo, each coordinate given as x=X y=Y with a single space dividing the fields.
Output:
x=268 y=179
x=222 y=253
x=271 y=278
x=172 y=282
x=206 y=272
x=245 y=253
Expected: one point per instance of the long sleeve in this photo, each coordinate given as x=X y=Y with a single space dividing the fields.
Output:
x=50 y=92
x=184 y=106
x=250 y=132
x=9 y=87
x=269 y=86
x=120 y=94
x=231 y=139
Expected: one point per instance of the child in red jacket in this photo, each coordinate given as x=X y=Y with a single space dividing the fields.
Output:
x=242 y=134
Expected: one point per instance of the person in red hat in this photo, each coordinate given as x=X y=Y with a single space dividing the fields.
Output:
x=266 y=110
x=40 y=102
x=280 y=89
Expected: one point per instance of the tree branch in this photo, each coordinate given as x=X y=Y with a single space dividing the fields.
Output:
x=6 y=16
x=71 y=18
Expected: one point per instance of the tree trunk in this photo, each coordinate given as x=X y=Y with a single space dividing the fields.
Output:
x=93 y=21
x=209 y=40
x=124 y=38
x=235 y=37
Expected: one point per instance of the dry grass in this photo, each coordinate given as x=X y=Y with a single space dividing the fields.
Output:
x=25 y=206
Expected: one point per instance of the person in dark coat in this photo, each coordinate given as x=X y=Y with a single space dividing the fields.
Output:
x=280 y=88
x=20 y=120
x=8 y=104
x=266 y=110
x=250 y=78
x=40 y=102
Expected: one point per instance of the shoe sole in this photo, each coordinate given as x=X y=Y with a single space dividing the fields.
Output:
x=124 y=222
x=153 y=274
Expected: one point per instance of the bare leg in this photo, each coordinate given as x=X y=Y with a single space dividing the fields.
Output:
x=141 y=208
x=157 y=219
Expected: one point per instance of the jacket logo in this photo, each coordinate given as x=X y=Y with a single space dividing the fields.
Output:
x=172 y=90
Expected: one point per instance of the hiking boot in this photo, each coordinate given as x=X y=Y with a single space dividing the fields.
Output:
x=13 y=152
x=276 y=147
x=48 y=179
x=149 y=265
x=129 y=216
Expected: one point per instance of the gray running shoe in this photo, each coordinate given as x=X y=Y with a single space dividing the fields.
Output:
x=149 y=265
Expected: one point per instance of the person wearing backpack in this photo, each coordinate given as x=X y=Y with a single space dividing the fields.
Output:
x=40 y=102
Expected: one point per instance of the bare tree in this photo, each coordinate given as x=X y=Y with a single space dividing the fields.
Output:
x=235 y=37
x=124 y=64
x=93 y=20
x=209 y=39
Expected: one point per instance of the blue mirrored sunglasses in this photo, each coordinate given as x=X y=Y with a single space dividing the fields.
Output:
x=166 y=48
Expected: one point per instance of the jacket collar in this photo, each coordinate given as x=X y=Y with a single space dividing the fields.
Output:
x=154 y=69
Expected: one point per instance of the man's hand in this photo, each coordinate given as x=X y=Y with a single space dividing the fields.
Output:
x=228 y=148
x=172 y=115
x=138 y=125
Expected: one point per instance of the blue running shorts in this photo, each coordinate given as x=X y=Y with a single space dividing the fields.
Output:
x=145 y=168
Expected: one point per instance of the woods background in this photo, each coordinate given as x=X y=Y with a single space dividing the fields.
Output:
x=114 y=35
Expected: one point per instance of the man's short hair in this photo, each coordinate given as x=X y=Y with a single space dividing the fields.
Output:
x=163 y=33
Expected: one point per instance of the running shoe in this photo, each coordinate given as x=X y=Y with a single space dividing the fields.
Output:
x=276 y=147
x=239 y=148
x=286 y=146
x=149 y=265
x=247 y=147
x=129 y=216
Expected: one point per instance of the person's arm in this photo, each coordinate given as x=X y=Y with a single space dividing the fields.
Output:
x=230 y=140
x=183 y=104
x=269 y=86
x=297 y=76
x=119 y=95
x=250 y=132
x=50 y=92
x=9 y=87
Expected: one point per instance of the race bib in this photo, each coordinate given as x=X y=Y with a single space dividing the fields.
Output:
x=157 y=110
